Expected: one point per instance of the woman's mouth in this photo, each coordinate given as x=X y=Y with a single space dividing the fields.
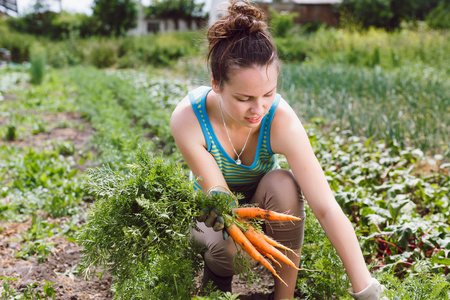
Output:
x=254 y=120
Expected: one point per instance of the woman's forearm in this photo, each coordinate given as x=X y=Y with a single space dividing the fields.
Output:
x=342 y=236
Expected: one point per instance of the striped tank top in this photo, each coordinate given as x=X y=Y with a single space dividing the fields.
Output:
x=240 y=178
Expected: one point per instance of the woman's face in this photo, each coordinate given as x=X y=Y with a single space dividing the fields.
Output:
x=248 y=95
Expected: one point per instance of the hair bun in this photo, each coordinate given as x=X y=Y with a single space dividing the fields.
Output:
x=244 y=17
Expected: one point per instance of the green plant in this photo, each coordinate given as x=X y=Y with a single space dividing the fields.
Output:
x=439 y=17
x=281 y=23
x=37 y=67
x=104 y=54
x=139 y=225
x=217 y=295
x=35 y=240
x=8 y=291
x=11 y=133
x=325 y=275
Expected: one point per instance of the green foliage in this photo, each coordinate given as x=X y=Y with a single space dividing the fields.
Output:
x=325 y=276
x=30 y=292
x=187 y=10
x=38 y=60
x=11 y=133
x=281 y=24
x=388 y=14
x=39 y=182
x=418 y=287
x=377 y=188
x=139 y=223
x=18 y=44
x=39 y=23
x=292 y=49
x=218 y=295
x=439 y=17
x=104 y=54
x=115 y=102
x=115 y=17
x=402 y=102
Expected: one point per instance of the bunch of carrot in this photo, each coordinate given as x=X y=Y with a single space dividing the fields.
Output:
x=255 y=242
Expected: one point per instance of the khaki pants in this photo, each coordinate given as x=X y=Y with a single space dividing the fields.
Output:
x=277 y=191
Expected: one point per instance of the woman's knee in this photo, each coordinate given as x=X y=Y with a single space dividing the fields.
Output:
x=278 y=180
x=279 y=191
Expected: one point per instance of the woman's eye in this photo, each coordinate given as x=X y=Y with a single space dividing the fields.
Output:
x=242 y=100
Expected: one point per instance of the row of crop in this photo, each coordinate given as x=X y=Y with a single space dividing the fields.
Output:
x=408 y=105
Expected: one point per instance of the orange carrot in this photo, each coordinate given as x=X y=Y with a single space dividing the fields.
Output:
x=268 y=255
x=268 y=239
x=239 y=237
x=274 y=243
x=256 y=239
x=259 y=213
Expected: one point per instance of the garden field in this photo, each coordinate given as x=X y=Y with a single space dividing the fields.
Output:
x=76 y=148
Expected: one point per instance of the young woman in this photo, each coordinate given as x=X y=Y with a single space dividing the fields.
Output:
x=230 y=133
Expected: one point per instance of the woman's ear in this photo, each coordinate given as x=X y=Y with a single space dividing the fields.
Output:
x=214 y=86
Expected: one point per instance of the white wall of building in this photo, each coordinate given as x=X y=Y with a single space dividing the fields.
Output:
x=215 y=12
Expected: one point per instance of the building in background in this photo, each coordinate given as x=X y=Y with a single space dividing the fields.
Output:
x=8 y=7
x=216 y=10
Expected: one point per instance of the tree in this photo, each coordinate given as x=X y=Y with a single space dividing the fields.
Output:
x=177 y=10
x=389 y=13
x=115 y=17
x=41 y=6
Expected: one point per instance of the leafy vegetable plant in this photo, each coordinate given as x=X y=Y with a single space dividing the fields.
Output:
x=141 y=218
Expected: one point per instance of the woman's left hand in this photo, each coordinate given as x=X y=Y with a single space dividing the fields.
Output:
x=372 y=292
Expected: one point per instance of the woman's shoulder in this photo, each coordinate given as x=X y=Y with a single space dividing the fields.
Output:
x=285 y=125
x=184 y=117
x=284 y=112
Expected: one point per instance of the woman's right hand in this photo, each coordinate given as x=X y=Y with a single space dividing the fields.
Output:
x=213 y=218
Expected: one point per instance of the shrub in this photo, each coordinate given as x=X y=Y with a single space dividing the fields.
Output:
x=292 y=49
x=439 y=18
x=18 y=44
x=282 y=23
x=104 y=54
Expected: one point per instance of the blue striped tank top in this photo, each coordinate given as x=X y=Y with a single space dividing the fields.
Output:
x=240 y=178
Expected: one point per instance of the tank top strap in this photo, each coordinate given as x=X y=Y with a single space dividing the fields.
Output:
x=198 y=100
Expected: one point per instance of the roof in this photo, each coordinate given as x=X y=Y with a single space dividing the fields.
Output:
x=317 y=1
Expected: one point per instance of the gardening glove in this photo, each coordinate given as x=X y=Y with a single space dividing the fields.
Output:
x=372 y=292
x=213 y=218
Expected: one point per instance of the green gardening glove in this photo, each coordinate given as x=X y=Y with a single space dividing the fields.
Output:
x=213 y=218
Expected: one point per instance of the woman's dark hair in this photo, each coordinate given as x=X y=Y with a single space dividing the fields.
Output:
x=240 y=39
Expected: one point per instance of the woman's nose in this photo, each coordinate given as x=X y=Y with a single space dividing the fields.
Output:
x=257 y=107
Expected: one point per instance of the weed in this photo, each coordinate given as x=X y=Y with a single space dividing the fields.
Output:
x=38 y=62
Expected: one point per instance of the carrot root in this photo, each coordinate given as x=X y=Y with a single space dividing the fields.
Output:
x=240 y=238
x=274 y=243
x=256 y=238
x=259 y=213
